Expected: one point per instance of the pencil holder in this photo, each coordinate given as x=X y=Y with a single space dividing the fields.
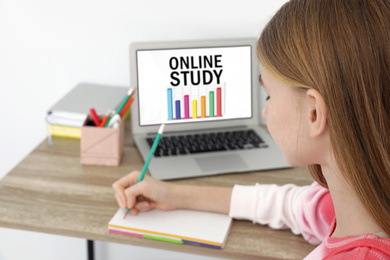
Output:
x=101 y=145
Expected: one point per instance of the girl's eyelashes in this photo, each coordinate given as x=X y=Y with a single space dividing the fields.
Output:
x=267 y=98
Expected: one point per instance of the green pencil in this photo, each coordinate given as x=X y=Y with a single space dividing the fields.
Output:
x=146 y=165
x=119 y=110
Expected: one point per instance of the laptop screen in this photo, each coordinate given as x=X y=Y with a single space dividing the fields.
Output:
x=189 y=85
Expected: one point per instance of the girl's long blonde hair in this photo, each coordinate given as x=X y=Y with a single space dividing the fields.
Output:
x=342 y=49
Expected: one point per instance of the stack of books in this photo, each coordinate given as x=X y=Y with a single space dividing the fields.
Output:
x=65 y=118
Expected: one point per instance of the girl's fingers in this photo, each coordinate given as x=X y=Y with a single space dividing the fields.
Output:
x=126 y=181
x=138 y=197
x=121 y=185
x=144 y=206
x=121 y=200
x=133 y=193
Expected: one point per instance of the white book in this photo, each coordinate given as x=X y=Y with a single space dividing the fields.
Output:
x=177 y=226
x=66 y=118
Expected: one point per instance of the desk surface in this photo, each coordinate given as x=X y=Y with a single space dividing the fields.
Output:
x=51 y=192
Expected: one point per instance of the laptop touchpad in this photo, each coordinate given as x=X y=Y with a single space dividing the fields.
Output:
x=221 y=163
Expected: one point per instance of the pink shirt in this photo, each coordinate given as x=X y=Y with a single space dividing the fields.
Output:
x=367 y=246
x=306 y=210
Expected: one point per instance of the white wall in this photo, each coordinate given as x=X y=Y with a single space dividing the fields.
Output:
x=47 y=47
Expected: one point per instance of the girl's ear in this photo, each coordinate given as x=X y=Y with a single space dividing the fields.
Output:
x=317 y=113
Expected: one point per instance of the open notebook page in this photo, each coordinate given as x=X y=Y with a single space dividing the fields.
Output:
x=178 y=226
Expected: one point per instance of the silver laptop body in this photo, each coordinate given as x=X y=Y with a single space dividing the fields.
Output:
x=221 y=72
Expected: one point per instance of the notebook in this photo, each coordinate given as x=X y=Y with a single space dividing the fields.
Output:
x=177 y=226
x=207 y=94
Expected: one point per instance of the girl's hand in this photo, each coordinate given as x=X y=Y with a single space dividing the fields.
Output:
x=143 y=196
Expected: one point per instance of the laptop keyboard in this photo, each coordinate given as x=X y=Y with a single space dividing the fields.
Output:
x=207 y=142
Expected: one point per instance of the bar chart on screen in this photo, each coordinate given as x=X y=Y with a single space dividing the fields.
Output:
x=196 y=102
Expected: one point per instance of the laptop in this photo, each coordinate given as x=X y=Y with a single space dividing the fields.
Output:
x=207 y=95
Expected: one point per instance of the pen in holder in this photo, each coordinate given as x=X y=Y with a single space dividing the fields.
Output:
x=101 y=145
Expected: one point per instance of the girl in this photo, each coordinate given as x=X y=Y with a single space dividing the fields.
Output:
x=326 y=69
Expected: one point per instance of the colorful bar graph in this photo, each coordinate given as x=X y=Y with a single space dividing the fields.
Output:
x=178 y=116
x=170 y=108
x=219 y=102
x=194 y=109
x=186 y=107
x=194 y=102
x=211 y=104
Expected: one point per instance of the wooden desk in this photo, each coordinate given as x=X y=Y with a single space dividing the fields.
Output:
x=51 y=192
